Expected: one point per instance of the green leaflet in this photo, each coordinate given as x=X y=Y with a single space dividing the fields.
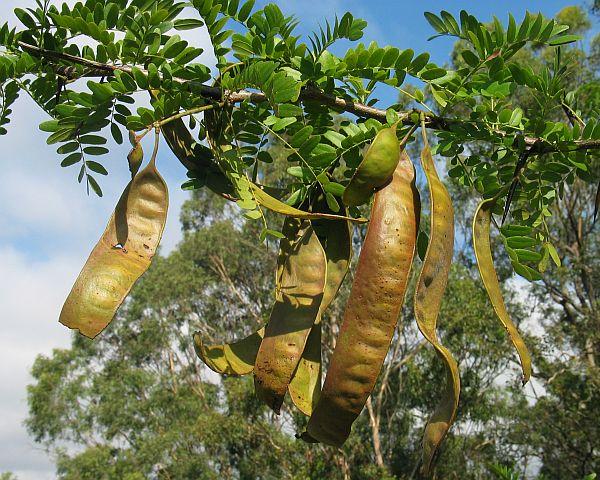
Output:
x=485 y=264
x=428 y=298
x=376 y=168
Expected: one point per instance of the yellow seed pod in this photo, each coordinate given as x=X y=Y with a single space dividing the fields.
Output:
x=429 y=292
x=122 y=255
x=485 y=264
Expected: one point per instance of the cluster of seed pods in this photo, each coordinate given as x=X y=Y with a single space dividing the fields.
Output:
x=314 y=257
x=285 y=355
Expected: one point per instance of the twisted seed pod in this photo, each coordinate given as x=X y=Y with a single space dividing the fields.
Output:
x=305 y=386
x=373 y=308
x=122 y=255
x=376 y=168
x=230 y=358
x=297 y=301
x=428 y=298
x=191 y=154
x=485 y=264
x=277 y=206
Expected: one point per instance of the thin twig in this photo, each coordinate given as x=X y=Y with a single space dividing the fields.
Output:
x=97 y=69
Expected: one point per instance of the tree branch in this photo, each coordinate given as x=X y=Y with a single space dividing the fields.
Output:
x=97 y=69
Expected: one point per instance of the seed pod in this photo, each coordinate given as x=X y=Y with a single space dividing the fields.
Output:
x=373 y=308
x=135 y=159
x=428 y=298
x=376 y=168
x=336 y=238
x=277 y=206
x=297 y=302
x=230 y=358
x=122 y=255
x=485 y=264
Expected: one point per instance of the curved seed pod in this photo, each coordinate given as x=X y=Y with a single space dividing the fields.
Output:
x=485 y=264
x=230 y=358
x=196 y=158
x=135 y=159
x=373 y=308
x=428 y=298
x=305 y=387
x=121 y=256
x=297 y=302
x=277 y=206
x=376 y=168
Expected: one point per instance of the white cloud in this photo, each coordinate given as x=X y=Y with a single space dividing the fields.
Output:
x=31 y=294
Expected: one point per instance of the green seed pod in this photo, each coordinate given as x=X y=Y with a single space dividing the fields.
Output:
x=122 y=255
x=372 y=311
x=135 y=159
x=485 y=264
x=376 y=168
x=230 y=358
x=428 y=299
x=277 y=206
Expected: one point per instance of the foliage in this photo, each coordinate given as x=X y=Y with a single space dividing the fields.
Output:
x=134 y=46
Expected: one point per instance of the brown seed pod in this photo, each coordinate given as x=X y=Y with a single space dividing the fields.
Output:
x=297 y=302
x=485 y=264
x=238 y=358
x=373 y=308
x=336 y=238
x=121 y=256
x=428 y=299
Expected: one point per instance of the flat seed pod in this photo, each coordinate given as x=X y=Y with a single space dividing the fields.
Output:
x=122 y=255
x=305 y=386
x=485 y=264
x=376 y=168
x=277 y=206
x=428 y=299
x=230 y=358
x=372 y=311
x=297 y=302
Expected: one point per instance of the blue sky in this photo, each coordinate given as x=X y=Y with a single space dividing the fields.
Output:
x=48 y=225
